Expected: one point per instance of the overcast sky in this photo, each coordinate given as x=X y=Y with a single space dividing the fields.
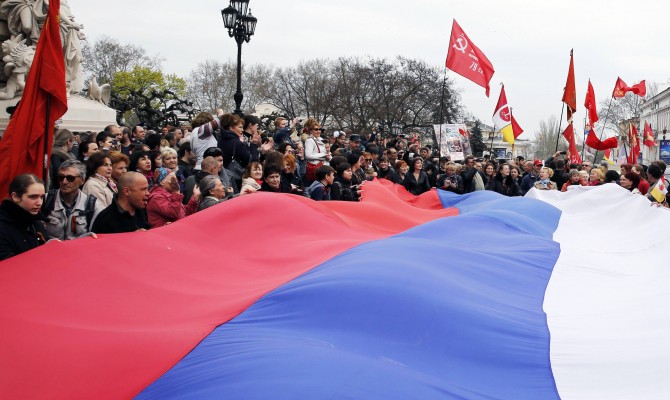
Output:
x=528 y=42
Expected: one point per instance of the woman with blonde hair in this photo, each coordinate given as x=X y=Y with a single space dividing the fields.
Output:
x=543 y=183
x=596 y=178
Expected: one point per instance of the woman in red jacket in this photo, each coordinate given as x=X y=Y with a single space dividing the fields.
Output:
x=165 y=200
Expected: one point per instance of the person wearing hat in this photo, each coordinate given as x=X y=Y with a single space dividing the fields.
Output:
x=533 y=176
x=165 y=200
x=339 y=143
x=354 y=145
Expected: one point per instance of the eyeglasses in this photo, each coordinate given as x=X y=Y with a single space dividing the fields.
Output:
x=586 y=165
x=318 y=129
x=367 y=159
x=70 y=178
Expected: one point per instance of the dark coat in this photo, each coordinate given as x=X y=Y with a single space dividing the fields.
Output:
x=230 y=145
x=114 y=219
x=507 y=187
x=20 y=231
x=341 y=190
x=416 y=187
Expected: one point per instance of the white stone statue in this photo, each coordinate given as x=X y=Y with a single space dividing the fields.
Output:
x=26 y=18
x=101 y=94
x=17 y=59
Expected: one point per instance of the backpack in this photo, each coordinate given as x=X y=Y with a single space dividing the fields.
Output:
x=89 y=210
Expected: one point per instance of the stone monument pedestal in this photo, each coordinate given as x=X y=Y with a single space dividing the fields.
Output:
x=83 y=115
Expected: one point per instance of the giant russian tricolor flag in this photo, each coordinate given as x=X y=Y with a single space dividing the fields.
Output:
x=276 y=296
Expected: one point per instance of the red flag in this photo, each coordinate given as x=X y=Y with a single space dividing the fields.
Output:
x=569 y=135
x=569 y=92
x=620 y=89
x=467 y=60
x=22 y=146
x=640 y=89
x=590 y=104
x=516 y=128
x=634 y=142
x=593 y=142
x=648 y=135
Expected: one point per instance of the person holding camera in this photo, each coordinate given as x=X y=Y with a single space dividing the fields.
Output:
x=450 y=180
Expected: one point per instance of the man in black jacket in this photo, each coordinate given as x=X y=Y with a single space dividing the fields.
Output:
x=127 y=213
x=473 y=179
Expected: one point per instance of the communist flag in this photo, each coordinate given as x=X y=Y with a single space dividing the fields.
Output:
x=593 y=142
x=502 y=118
x=590 y=104
x=22 y=146
x=620 y=89
x=648 y=136
x=634 y=145
x=569 y=135
x=467 y=60
x=569 y=92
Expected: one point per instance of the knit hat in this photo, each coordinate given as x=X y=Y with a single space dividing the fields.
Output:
x=160 y=174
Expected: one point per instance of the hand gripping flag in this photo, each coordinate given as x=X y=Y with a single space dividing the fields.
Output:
x=620 y=89
x=22 y=146
x=467 y=60
x=648 y=135
x=569 y=92
x=502 y=118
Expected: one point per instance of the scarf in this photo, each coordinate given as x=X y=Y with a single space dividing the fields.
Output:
x=479 y=182
x=109 y=182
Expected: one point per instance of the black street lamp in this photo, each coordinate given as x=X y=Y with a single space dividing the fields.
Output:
x=492 y=134
x=241 y=25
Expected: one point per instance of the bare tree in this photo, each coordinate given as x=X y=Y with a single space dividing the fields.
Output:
x=107 y=56
x=546 y=136
x=211 y=85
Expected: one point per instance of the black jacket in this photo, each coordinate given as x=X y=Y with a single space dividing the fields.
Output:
x=230 y=145
x=508 y=187
x=20 y=231
x=341 y=190
x=416 y=187
x=114 y=219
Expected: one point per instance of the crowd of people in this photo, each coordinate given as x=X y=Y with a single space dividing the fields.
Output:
x=126 y=179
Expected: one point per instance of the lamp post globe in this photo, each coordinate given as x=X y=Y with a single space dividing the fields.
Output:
x=241 y=25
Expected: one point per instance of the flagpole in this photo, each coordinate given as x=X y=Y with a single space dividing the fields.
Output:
x=602 y=131
x=625 y=151
x=560 y=121
x=444 y=84
x=584 y=142
x=45 y=168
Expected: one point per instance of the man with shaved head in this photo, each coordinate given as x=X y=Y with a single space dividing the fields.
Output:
x=127 y=212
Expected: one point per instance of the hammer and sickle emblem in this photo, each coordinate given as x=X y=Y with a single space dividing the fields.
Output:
x=461 y=44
